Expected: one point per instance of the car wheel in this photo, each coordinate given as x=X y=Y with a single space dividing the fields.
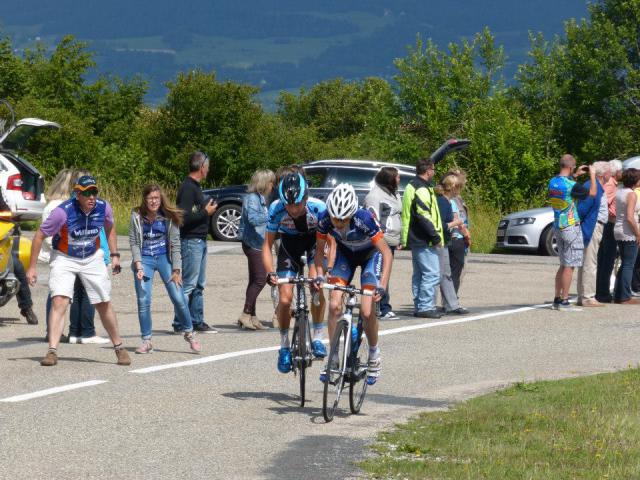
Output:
x=225 y=222
x=549 y=242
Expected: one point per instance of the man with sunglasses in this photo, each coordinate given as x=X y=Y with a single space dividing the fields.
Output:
x=75 y=227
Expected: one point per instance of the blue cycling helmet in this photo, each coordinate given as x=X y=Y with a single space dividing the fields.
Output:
x=292 y=189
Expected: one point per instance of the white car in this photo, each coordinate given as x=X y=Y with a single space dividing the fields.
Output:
x=528 y=230
x=22 y=185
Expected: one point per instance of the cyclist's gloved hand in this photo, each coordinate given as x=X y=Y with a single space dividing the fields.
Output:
x=272 y=278
x=319 y=280
x=380 y=292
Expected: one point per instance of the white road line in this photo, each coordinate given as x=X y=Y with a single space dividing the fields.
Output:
x=51 y=391
x=240 y=353
x=200 y=361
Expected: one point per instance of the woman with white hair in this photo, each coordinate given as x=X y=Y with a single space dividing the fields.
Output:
x=608 y=246
x=253 y=224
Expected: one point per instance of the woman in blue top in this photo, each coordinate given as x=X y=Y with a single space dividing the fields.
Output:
x=154 y=236
x=253 y=223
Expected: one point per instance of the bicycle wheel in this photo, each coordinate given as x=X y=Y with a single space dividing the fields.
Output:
x=302 y=328
x=358 y=377
x=335 y=371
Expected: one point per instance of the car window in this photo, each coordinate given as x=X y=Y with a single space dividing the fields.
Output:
x=404 y=180
x=316 y=176
x=357 y=177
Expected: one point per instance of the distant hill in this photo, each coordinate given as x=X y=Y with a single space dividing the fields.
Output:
x=274 y=44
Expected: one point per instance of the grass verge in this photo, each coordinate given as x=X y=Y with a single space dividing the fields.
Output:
x=484 y=223
x=587 y=428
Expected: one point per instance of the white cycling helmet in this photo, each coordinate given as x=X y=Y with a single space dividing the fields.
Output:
x=342 y=202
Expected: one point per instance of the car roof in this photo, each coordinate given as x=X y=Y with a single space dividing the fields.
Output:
x=346 y=162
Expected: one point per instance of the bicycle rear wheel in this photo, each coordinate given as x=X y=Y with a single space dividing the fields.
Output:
x=358 y=377
x=335 y=371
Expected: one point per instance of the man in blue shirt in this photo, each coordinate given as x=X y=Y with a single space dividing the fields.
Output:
x=563 y=194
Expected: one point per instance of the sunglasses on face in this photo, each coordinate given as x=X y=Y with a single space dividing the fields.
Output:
x=89 y=193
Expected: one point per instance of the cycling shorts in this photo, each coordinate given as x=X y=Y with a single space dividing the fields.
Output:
x=292 y=248
x=369 y=261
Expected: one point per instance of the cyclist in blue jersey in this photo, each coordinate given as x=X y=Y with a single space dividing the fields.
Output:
x=360 y=243
x=295 y=216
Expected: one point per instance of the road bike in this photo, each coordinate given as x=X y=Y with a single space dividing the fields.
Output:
x=348 y=357
x=301 y=353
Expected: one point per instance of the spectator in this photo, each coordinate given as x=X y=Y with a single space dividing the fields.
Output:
x=593 y=213
x=422 y=233
x=460 y=236
x=75 y=225
x=24 y=292
x=450 y=220
x=193 y=238
x=627 y=234
x=81 y=313
x=385 y=203
x=253 y=224
x=608 y=246
x=154 y=237
x=563 y=193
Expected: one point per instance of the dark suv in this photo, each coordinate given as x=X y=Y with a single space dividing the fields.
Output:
x=323 y=176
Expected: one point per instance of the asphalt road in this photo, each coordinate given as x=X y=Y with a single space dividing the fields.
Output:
x=227 y=413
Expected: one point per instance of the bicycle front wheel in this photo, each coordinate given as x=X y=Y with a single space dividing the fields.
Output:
x=335 y=370
x=358 y=377
x=302 y=327
x=298 y=362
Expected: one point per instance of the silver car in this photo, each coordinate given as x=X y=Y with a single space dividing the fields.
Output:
x=528 y=230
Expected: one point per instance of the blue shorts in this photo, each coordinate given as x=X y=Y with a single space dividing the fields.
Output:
x=369 y=261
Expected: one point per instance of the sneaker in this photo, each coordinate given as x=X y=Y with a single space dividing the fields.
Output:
x=193 y=342
x=95 y=339
x=318 y=349
x=284 y=360
x=373 y=370
x=146 y=347
x=123 y=356
x=176 y=330
x=31 y=317
x=72 y=339
x=458 y=311
x=204 y=328
x=49 y=360
x=428 y=314
x=563 y=305
x=591 y=302
x=389 y=316
x=633 y=294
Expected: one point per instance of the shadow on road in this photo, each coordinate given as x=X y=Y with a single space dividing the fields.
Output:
x=318 y=456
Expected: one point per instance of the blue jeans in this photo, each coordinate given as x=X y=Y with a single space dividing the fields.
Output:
x=628 y=253
x=425 y=278
x=194 y=277
x=385 y=306
x=144 y=289
x=81 y=313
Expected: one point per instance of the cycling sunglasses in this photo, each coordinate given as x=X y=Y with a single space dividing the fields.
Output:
x=92 y=192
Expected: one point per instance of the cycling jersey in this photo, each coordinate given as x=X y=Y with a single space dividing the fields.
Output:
x=360 y=235
x=280 y=221
x=154 y=237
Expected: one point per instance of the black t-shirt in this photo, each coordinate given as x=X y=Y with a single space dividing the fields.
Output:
x=192 y=202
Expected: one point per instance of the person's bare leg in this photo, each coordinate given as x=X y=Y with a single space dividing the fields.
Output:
x=109 y=321
x=59 y=306
x=317 y=311
x=371 y=320
x=566 y=277
x=335 y=310
x=285 y=293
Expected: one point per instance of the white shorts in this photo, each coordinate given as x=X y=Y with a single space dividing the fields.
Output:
x=92 y=271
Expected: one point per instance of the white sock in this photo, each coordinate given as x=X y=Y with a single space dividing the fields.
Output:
x=284 y=338
x=374 y=352
x=318 y=331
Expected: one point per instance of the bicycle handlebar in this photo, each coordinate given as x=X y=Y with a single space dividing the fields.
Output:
x=350 y=289
x=294 y=280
